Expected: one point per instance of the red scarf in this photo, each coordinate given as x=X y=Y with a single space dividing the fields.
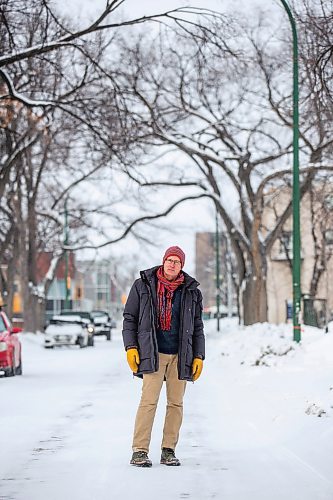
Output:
x=165 y=291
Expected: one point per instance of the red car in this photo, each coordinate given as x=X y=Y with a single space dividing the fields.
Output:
x=10 y=348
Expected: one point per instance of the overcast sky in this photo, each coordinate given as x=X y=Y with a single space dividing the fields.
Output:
x=186 y=219
x=135 y=8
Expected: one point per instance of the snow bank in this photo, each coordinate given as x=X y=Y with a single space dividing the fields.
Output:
x=272 y=348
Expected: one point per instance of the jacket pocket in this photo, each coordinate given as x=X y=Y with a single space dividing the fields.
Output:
x=145 y=342
x=146 y=365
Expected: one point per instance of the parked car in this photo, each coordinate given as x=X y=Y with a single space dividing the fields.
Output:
x=86 y=316
x=10 y=347
x=68 y=330
x=103 y=323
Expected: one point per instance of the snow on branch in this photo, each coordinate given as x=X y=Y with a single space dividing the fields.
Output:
x=206 y=156
x=311 y=168
x=144 y=218
x=53 y=266
x=97 y=25
x=18 y=96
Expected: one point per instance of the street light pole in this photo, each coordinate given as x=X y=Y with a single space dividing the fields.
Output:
x=67 y=276
x=217 y=244
x=296 y=189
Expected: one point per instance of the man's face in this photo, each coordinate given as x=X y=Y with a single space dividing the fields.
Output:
x=172 y=267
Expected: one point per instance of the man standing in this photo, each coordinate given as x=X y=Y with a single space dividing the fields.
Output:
x=164 y=339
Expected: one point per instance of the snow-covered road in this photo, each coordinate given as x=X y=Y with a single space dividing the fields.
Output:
x=66 y=427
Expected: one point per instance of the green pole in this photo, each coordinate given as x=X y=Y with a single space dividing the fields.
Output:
x=296 y=190
x=67 y=277
x=217 y=244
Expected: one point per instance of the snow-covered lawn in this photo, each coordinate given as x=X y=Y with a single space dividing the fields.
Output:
x=258 y=424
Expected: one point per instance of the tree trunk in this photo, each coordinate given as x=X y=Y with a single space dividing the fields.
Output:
x=11 y=274
x=28 y=312
x=255 y=290
x=23 y=268
x=254 y=299
x=40 y=314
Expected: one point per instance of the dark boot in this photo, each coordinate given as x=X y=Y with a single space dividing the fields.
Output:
x=168 y=457
x=140 y=459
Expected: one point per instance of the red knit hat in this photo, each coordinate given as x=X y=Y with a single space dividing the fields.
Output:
x=177 y=251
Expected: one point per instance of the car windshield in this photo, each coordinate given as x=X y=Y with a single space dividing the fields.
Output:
x=2 y=325
x=65 y=319
x=98 y=314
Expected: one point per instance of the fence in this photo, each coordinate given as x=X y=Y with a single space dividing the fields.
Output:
x=314 y=312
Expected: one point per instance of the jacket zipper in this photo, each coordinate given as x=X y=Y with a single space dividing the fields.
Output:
x=152 y=308
x=181 y=332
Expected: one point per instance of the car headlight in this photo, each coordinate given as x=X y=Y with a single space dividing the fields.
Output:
x=90 y=329
x=3 y=346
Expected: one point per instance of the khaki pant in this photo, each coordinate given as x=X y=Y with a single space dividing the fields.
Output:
x=151 y=388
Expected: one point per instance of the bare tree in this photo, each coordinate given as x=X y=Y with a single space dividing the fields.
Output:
x=219 y=96
x=63 y=124
x=317 y=27
x=216 y=90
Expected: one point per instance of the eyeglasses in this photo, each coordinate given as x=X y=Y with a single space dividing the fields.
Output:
x=175 y=262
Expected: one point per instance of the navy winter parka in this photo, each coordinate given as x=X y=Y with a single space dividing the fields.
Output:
x=140 y=324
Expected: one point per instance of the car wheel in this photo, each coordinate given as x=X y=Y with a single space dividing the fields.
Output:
x=49 y=346
x=108 y=335
x=11 y=371
x=81 y=342
x=19 y=370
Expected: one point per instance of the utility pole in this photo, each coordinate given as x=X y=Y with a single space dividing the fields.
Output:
x=296 y=189
x=67 y=275
x=217 y=245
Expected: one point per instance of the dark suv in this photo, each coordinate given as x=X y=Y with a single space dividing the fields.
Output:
x=103 y=323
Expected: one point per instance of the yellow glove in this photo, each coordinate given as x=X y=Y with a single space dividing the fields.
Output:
x=197 y=366
x=133 y=359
